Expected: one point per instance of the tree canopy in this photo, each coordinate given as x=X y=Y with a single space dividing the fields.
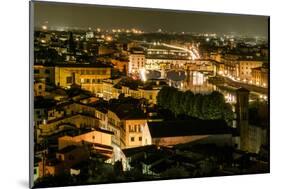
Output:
x=209 y=106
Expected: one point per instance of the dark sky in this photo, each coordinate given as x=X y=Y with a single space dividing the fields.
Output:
x=75 y=15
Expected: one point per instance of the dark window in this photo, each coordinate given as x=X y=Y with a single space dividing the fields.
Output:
x=71 y=157
x=132 y=139
x=36 y=71
x=69 y=79
x=140 y=138
x=39 y=86
x=47 y=71
x=35 y=171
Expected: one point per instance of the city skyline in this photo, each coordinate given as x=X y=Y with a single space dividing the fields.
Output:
x=149 y=20
x=123 y=97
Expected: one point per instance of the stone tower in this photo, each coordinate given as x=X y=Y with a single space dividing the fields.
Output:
x=242 y=112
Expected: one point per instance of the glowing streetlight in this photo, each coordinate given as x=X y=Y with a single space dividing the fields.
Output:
x=108 y=38
x=44 y=27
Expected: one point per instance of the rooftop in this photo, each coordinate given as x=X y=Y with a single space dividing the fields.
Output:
x=128 y=111
x=188 y=128
x=78 y=65
x=67 y=149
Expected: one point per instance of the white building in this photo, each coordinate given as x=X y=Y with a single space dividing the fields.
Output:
x=136 y=61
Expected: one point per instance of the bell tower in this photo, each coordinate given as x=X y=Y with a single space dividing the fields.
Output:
x=242 y=108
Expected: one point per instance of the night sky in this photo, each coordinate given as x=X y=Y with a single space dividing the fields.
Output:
x=75 y=15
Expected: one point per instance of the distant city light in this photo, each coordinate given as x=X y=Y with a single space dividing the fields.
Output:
x=108 y=38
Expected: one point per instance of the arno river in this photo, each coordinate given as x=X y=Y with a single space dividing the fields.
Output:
x=197 y=82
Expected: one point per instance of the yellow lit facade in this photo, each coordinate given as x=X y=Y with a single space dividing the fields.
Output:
x=136 y=62
x=136 y=133
x=91 y=137
x=260 y=76
x=90 y=78
x=245 y=68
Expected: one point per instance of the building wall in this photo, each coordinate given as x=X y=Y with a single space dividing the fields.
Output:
x=39 y=89
x=219 y=139
x=245 y=68
x=43 y=72
x=109 y=91
x=260 y=76
x=90 y=137
x=121 y=65
x=54 y=126
x=136 y=62
x=103 y=119
x=49 y=170
x=78 y=108
x=55 y=114
x=114 y=125
x=150 y=95
x=67 y=160
x=135 y=133
x=88 y=77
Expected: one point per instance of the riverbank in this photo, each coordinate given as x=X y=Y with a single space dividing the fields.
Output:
x=224 y=81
